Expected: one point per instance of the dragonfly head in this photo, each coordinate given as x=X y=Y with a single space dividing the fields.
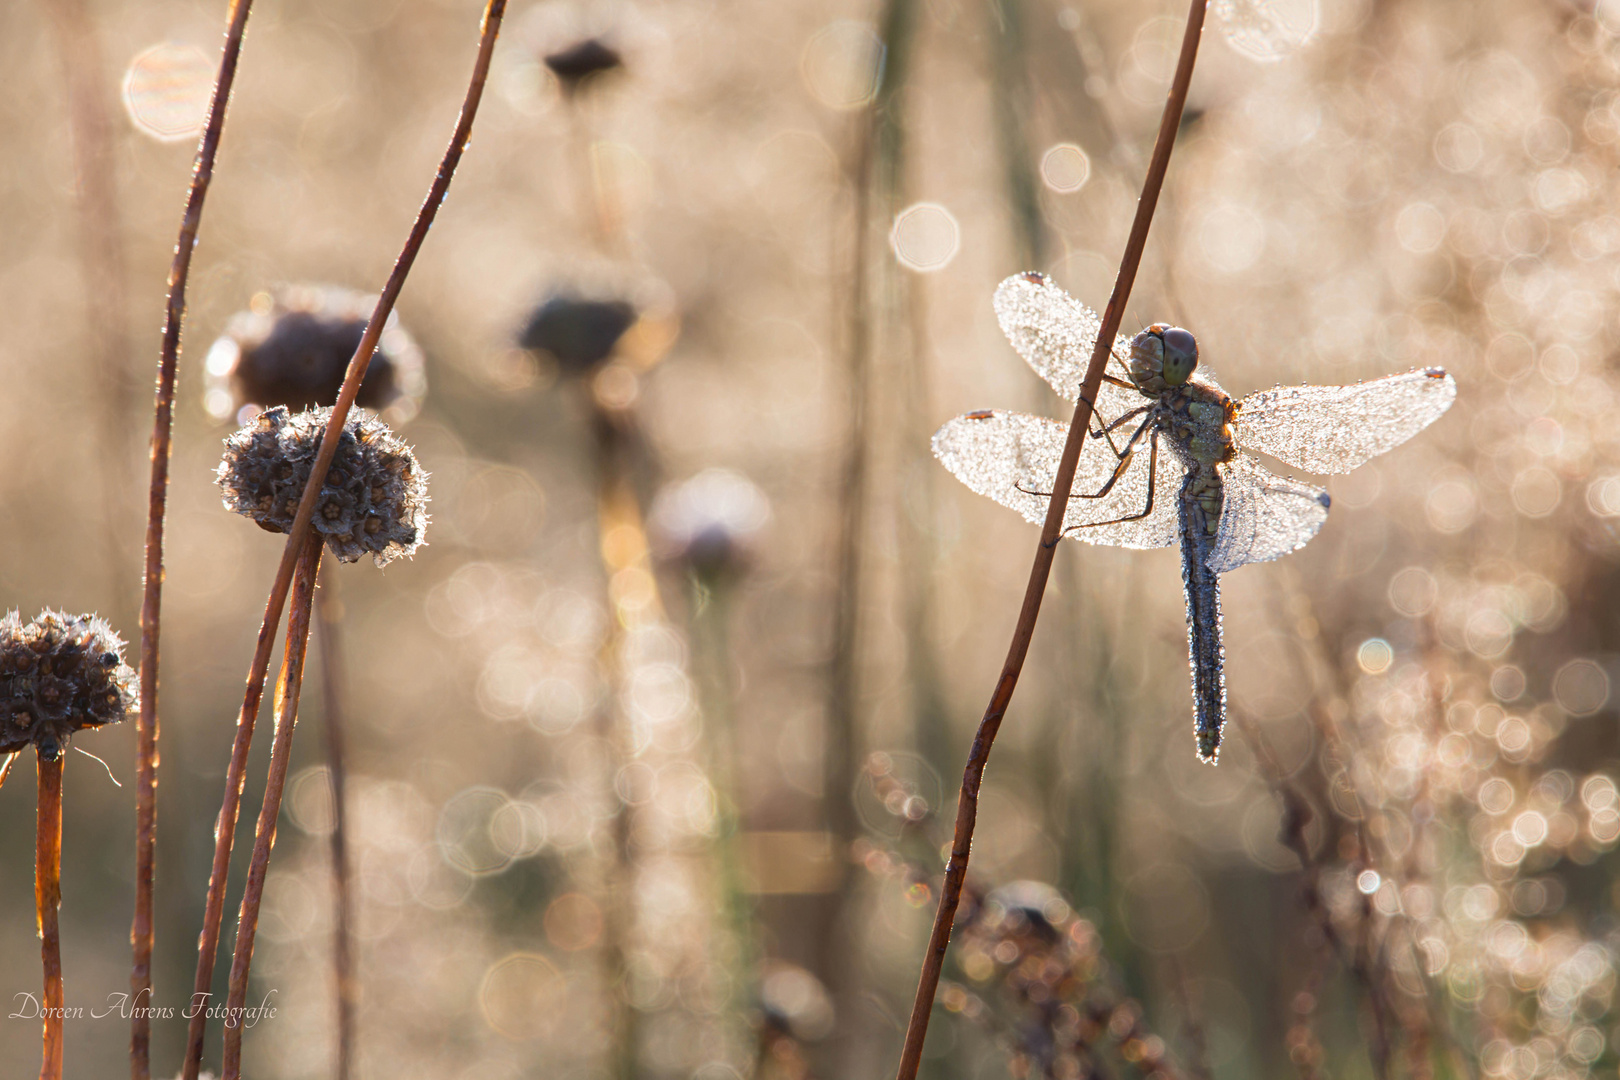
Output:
x=1162 y=356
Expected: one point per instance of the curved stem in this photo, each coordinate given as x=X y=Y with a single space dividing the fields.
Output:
x=288 y=687
x=225 y=827
x=968 y=802
x=141 y=927
x=47 y=902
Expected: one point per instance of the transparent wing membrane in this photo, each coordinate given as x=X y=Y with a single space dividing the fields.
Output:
x=1333 y=429
x=1055 y=333
x=1263 y=515
x=1013 y=457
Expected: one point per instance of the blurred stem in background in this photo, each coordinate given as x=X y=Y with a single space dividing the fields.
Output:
x=101 y=272
x=711 y=600
x=631 y=592
x=345 y=980
x=869 y=167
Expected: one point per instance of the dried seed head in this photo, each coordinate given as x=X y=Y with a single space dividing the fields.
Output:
x=292 y=348
x=578 y=333
x=582 y=61
x=59 y=674
x=709 y=523
x=375 y=496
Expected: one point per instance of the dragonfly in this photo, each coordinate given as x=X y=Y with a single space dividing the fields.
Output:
x=1165 y=461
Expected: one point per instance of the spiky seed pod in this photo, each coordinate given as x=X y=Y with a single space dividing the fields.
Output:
x=59 y=674
x=292 y=347
x=582 y=61
x=374 y=500
x=578 y=333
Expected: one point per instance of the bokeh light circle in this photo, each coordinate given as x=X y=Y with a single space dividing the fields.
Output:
x=167 y=89
x=1065 y=168
x=925 y=237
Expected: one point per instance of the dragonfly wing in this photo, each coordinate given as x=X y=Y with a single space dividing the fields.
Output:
x=1263 y=515
x=1055 y=333
x=1013 y=458
x=1333 y=429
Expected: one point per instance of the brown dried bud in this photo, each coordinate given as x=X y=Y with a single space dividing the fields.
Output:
x=581 y=61
x=293 y=347
x=578 y=333
x=59 y=674
x=375 y=496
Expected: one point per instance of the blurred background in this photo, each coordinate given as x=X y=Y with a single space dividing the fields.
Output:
x=653 y=748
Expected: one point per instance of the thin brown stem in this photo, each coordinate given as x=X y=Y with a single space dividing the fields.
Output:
x=5 y=766
x=288 y=687
x=48 y=902
x=141 y=928
x=225 y=828
x=157 y=501
x=344 y=980
x=1051 y=529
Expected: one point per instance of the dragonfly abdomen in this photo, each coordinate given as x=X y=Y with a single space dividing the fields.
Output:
x=1200 y=507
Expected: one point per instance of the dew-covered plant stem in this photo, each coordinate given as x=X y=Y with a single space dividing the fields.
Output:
x=345 y=981
x=141 y=928
x=1062 y=485
x=48 y=903
x=288 y=686
x=225 y=828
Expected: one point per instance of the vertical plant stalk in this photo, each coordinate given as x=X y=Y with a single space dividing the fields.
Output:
x=288 y=687
x=875 y=139
x=618 y=516
x=1051 y=532
x=146 y=759
x=48 y=903
x=712 y=661
x=345 y=982
x=225 y=827
x=101 y=263
x=5 y=767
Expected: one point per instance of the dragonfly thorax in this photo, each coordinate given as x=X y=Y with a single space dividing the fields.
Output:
x=1162 y=356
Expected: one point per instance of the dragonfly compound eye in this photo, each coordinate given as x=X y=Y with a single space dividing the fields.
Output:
x=1180 y=355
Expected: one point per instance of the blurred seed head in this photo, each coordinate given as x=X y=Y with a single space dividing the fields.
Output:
x=582 y=63
x=710 y=523
x=59 y=674
x=578 y=333
x=374 y=500
x=292 y=347
x=794 y=1002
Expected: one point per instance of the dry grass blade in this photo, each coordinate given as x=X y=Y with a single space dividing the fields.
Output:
x=968 y=803
x=5 y=767
x=48 y=903
x=225 y=828
x=141 y=928
x=288 y=687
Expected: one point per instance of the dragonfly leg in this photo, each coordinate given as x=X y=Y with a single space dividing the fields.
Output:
x=1125 y=461
x=1153 y=469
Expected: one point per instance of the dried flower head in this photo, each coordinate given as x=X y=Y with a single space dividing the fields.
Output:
x=578 y=333
x=581 y=61
x=59 y=674
x=375 y=496
x=292 y=347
